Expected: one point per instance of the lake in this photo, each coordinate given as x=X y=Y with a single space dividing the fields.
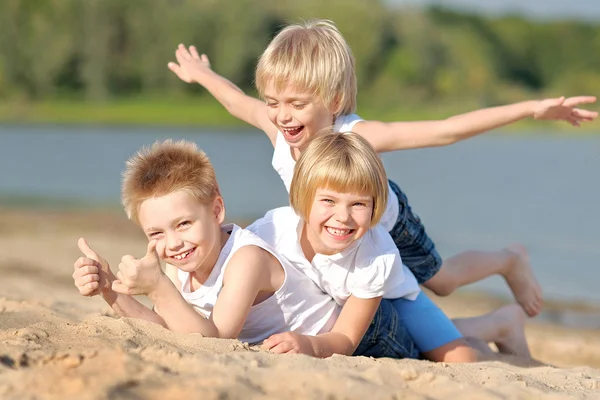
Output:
x=540 y=190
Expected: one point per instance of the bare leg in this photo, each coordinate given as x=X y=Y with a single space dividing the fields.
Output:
x=512 y=263
x=505 y=327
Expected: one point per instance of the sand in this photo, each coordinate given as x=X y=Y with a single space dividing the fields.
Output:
x=56 y=344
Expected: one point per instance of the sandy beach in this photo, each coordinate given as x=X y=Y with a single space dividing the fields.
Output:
x=56 y=344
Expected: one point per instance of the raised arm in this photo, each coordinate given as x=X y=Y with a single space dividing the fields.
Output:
x=344 y=338
x=409 y=135
x=191 y=67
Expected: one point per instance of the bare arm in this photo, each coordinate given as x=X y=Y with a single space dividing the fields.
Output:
x=344 y=338
x=409 y=135
x=246 y=275
x=191 y=67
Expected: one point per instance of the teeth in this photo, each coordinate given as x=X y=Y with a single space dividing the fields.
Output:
x=182 y=256
x=338 y=232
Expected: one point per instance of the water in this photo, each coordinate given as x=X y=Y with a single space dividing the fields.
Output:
x=481 y=194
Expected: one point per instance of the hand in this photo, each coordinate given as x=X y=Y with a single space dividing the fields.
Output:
x=139 y=276
x=289 y=342
x=564 y=110
x=190 y=63
x=92 y=274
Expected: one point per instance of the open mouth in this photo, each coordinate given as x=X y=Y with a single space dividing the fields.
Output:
x=337 y=233
x=292 y=134
x=184 y=255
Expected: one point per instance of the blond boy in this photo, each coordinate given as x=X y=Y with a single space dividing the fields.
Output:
x=220 y=280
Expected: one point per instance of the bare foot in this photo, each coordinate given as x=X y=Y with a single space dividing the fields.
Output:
x=522 y=282
x=511 y=336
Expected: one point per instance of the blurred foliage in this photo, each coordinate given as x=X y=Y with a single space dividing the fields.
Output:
x=103 y=53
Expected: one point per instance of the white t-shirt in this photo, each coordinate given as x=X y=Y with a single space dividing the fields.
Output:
x=284 y=164
x=298 y=305
x=371 y=267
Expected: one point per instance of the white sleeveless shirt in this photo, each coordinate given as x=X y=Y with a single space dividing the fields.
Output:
x=284 y=164
x=298 y=305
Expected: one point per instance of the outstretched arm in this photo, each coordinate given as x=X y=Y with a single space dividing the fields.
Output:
x=409 y=135
x=344 y=338
x=192 y=67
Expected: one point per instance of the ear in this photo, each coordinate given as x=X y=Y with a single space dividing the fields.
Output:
x=219 y=209
x=336 y=106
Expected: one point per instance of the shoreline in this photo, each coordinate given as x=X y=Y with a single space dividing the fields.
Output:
x=204 y=111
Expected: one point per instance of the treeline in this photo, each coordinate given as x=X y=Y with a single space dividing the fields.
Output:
x=100 y=50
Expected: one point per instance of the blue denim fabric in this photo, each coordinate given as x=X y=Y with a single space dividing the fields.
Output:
x=417 y=250
x=385 y=337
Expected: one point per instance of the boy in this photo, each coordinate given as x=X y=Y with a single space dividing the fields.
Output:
x=306 y=75
x=220 y=280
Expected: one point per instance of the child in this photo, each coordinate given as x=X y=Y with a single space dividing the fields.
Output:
x=306 y=75
x=220 y=280
x=338 y=195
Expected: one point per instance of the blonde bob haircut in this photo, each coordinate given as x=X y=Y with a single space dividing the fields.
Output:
x=311 y=57
x=342 y=162
x=164 y=168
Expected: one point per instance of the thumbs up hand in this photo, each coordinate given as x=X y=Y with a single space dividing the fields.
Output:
x=139 y=276
x=92 y=274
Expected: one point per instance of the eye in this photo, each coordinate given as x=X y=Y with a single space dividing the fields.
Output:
x=153 y=234
x=298 y=106
x=328 y=201
x=272 y=104
x=360 y=204
x=184 y=224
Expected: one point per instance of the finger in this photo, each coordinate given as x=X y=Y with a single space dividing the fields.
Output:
x=89 y=288
x=283 y=347
x=581 y=113
x=86 y=270
x=174 y=67
x=194 y=52
x=84 y=280
x=86 y=262
x=204 y=58
x=272 y=341
x=151 y=250
x=183 y=52
x=86 y=250
x=128 y=260
x=573 y=101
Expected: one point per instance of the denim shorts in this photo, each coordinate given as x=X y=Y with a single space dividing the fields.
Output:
x=417 y=250
x=386 y=336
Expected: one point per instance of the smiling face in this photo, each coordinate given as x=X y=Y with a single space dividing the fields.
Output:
x=336 y=220
x=298 y=115
x=188 y=232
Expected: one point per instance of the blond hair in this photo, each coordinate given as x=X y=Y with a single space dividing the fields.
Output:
x=166 y=167
x=343 y=162
x=312 y=57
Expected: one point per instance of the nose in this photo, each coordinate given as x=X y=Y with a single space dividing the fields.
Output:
x=174 y=242
x=342 y=214
x=284 y=114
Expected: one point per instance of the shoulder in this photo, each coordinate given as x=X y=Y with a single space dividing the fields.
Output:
x=345 y=123
x=252 y=262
